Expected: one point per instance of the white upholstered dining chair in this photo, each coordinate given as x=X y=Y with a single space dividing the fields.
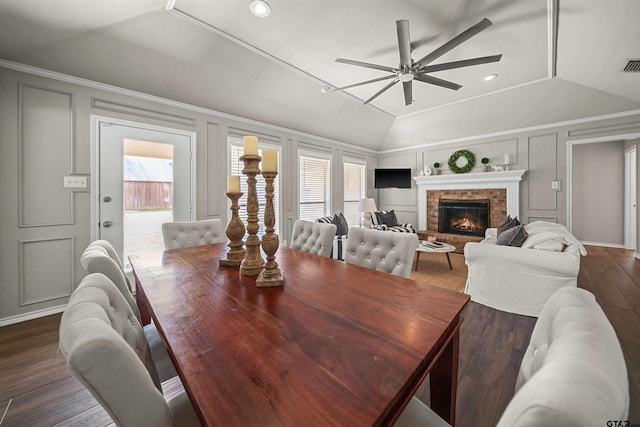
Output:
x=105 y=348
x=313 y=237
x=573 y=372
x=192 y=233
x=381 y=250
x=101 y=257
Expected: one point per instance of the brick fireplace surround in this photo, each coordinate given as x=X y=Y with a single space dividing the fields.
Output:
x=501 y=188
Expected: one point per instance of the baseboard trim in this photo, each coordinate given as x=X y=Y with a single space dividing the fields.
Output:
x=606 y=245
x=31 y=315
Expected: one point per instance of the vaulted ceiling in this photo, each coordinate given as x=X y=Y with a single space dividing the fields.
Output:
x=561 y=60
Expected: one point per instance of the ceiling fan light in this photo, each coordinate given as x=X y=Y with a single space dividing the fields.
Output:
x=406 y=77
x=260 y=8
x=489 y=77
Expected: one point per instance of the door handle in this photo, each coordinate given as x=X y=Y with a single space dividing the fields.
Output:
x=106 y=199
x=107 y=224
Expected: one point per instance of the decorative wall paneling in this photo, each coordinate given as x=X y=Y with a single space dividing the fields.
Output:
x=214 y=151
x=542 y=169
x=46 y=269
x=541 y=218
x=46 y=139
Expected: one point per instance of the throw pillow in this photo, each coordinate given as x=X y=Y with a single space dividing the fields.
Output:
x=325 y=219
x=341 y=223
x=506 y=221
x=507 y=224
x=387 y=218
x=515 y=236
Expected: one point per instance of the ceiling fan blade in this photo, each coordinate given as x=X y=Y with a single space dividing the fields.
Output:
x=457 y=40
x=408 y=93
x=460 y=64
x=404 y=43
x=367 y=82
x=378 y=93
x=365 y=64
x=438 y=82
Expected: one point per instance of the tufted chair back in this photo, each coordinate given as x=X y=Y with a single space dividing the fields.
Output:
x=381 y=250
x=101 y=257
x=313 y=237
x=106 y=349
x=192 y=233
x=573 y=373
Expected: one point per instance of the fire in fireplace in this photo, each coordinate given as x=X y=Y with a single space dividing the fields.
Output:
x=466 y=217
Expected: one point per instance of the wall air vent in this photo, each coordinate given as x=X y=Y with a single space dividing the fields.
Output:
x=633 y=66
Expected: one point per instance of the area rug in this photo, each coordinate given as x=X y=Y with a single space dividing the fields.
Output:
x=433 y=269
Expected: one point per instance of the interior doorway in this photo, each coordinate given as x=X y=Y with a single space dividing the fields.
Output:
x=630 y=199
x=623 y=211
x=144 y=176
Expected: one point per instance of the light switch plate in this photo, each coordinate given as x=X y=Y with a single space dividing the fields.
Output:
x=75 y=182
x=555 y=185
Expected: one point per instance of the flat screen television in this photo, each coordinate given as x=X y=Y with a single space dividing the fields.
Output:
x=393 y=178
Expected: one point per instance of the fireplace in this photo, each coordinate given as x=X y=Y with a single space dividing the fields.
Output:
x=464 y=217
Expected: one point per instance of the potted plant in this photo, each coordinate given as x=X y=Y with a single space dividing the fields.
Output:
x=485 y=161
x=436 y=168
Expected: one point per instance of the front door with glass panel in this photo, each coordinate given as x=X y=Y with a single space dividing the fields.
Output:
x=144 y=181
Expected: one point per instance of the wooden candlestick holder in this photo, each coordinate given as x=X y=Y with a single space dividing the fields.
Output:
x=235 y=233
x=253 y=263
x=271 y=275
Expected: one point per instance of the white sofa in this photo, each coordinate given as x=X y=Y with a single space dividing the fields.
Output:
x=521 y=279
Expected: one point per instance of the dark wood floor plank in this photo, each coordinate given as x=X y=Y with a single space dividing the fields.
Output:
x=606 y=275
x=621 y=319
x=480 y=407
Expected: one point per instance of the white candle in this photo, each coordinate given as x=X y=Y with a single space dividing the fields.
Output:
x=507 y=159
x=250 y=145
x=270 y=160
x=233 y=184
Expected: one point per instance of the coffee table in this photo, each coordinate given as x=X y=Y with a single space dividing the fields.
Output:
x=433 y=247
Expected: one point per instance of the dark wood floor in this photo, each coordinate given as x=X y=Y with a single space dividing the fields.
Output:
x=39 y=390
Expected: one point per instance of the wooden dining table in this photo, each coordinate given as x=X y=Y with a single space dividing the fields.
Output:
x=338 y=344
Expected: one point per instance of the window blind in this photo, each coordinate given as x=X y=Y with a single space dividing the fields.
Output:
x=354 y=190
x=237 y=150
x=314 y=187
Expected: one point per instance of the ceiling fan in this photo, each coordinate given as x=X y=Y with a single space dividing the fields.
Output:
x=409 y=70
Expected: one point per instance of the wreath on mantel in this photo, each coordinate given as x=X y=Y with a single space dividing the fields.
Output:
x=453 y=161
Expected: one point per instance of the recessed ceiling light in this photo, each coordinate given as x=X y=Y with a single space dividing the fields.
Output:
x=260 y=8
x=489 y=77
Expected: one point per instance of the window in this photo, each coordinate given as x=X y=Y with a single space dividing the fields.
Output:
x=237 y=150
x=354 y=190
x=314 y=187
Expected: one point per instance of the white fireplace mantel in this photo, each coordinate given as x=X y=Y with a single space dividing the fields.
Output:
x=509 y=180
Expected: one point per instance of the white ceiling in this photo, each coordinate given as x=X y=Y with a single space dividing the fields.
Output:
x=216 y=54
